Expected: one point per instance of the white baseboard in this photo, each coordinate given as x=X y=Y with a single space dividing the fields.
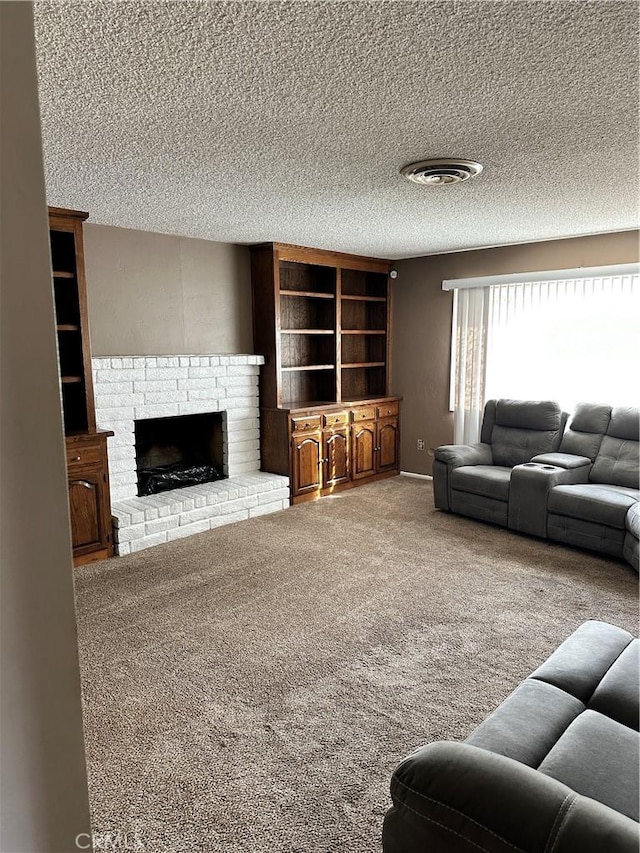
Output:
x=417 y=476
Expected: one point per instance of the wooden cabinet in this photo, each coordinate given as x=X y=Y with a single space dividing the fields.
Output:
x=322 y=320
x=87 y=467
x=336 y=458
x=320 y=459
x=375 y=447
x=388 y=445
x=89 y=503
x=307 y=461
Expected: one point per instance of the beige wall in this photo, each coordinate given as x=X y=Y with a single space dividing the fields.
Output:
x=154 y=294
x=422 y=323
x=43 y=777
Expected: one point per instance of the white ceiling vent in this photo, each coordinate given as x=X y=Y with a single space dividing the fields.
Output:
x=441 y=171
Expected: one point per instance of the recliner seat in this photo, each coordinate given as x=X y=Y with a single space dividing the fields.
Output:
x=582 y=489
x=475 y=481
x=554 y=768
x=593 y=515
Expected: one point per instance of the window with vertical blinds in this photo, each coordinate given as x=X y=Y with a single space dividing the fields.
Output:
x=571 y=339
x=565 y=340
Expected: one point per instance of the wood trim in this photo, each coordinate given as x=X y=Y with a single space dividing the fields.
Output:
x=323 y=257
x=66 y=212
x=84 y=323
x=389 y=332
x=94 y=556
x=340 y=406
x=338 y=340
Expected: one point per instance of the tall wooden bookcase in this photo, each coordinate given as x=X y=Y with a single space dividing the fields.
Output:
x=322 y=320
x=87 y=465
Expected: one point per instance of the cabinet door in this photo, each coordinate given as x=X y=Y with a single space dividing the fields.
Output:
x=363 y=456
x=336 y=462
x=388 y=435
x=307 y=453
x=86 y=505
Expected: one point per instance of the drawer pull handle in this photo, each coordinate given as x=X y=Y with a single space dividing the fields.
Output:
x=76 y=458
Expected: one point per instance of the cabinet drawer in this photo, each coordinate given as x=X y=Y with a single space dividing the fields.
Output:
x=336 y=419
x=387 y=410
x=304 y=424
x=364 y=413
x=84 y=454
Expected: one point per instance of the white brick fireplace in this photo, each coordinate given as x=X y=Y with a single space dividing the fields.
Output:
x=128 y=389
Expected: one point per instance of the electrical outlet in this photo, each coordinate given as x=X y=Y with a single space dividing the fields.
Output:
x=421 y=444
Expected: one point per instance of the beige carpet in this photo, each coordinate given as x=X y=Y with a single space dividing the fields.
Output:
x=249 y=690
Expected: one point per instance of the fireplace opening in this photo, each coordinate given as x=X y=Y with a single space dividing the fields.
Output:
x=172 y=453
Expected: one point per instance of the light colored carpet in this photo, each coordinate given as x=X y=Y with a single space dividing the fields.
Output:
x=250 y=689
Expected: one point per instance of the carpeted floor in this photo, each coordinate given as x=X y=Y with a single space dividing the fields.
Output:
x=249 y=690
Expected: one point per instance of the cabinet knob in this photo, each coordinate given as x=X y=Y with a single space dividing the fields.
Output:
x=76 y=458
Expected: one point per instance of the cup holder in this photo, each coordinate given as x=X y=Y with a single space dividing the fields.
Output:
x=549 y=467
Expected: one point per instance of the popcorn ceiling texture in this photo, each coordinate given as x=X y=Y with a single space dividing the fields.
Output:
x=289 y=121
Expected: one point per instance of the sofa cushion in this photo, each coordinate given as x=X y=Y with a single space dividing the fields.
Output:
x=585 y=430
x=528 y=723
x=616 y=462
x=601 y=504
x=512 y=447
x=632 y=521
x=625 y=423
x=524 y=428
x=542 y=415
x=580 y=663
x=617 y=694
x=492 y=481
x=592 y=756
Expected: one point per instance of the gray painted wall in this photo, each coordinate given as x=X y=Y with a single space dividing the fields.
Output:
x=422 y=324
x=43 y=776
x=155 y=294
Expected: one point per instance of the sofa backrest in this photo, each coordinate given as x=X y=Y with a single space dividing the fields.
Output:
x=617 y=461
x=585 y=430
x=517 y=430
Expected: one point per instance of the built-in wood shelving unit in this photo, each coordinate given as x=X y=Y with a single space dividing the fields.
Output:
x=87 y=464
x=322 y=321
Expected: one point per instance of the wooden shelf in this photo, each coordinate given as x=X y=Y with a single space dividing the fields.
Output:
x=307 y=331
x=313 y=294
x=60 y=274
x=309 y=367
x=364 y=298
x=364 y=332
x=67 y=327
x=68 y=380
x=363 y=364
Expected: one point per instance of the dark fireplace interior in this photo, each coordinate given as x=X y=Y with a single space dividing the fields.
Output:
x=172 y=453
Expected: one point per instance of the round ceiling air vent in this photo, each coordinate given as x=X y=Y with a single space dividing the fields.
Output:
x=441 y=171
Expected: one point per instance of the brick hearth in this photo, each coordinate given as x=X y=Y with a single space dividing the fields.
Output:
x=129 y=389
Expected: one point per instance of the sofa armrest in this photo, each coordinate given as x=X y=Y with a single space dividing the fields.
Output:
x=455 y=455
x=529 y=488
x=450 y=456
x=453 y=797
x=562 y=460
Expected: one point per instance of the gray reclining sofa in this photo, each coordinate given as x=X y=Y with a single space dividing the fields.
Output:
x=577 y=485
x=553 y=770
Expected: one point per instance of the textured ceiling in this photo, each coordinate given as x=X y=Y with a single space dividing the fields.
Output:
x=289 y=121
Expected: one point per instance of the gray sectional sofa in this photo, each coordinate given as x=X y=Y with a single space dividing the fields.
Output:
x=553 y=770
x=576 y=483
